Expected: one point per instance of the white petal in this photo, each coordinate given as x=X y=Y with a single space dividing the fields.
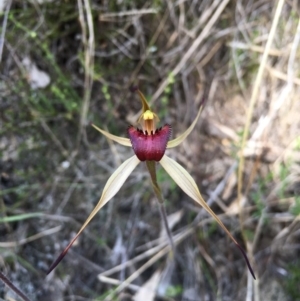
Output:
x=120 y=140
x=181 y=137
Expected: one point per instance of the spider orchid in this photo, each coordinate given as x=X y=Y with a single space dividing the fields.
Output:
x=149 y=145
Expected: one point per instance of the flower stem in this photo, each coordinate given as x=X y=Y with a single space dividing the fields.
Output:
x=163 y=214
x=152 y=171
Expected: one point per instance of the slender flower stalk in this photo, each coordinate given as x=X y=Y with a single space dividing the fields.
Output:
x=149 y=145
x=151 y=166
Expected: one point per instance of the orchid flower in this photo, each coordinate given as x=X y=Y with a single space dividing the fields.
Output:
x=149 y=145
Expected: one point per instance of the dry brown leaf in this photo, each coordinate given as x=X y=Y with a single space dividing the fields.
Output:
x=235 y=207
x=147 y=292
x=229 y=186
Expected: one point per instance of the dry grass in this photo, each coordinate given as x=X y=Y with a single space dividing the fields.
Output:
x=53 y=165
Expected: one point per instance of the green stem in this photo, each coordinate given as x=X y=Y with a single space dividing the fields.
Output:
x=152 y=171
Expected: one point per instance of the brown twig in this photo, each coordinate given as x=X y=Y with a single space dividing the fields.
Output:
x=250 y=113
x=13 y=287
x=4 y=25
x=88 y=40
x=204 y=33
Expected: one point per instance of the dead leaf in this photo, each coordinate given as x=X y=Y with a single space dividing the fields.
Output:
x=229 y=186
x=147 y=292
x=234 y=207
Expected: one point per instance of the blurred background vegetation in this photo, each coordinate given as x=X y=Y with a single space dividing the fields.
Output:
x=67 y=63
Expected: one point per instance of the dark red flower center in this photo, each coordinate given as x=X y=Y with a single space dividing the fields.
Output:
x=150 y=146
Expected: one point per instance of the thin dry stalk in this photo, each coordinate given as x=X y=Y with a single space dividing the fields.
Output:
x=277 y=106
x=138 y=272
x=152 y=41
x=129 y=13
x=282 y=75
x=56 y=141
x=254 y=48
x=249 y=117
x=159 y=251
x=218 y=190
x=4 y=25
x=163 y=250
x=88 y=40
x=204 y=34
x=255 y=93
x=113 y=281
x=13 y=287
x=13 y=244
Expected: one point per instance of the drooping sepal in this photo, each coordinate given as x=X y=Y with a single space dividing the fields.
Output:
x=112 y=186
x=150 y=146
x=185 y=181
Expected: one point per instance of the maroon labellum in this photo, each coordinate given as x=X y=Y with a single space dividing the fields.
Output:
x=149 y=146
